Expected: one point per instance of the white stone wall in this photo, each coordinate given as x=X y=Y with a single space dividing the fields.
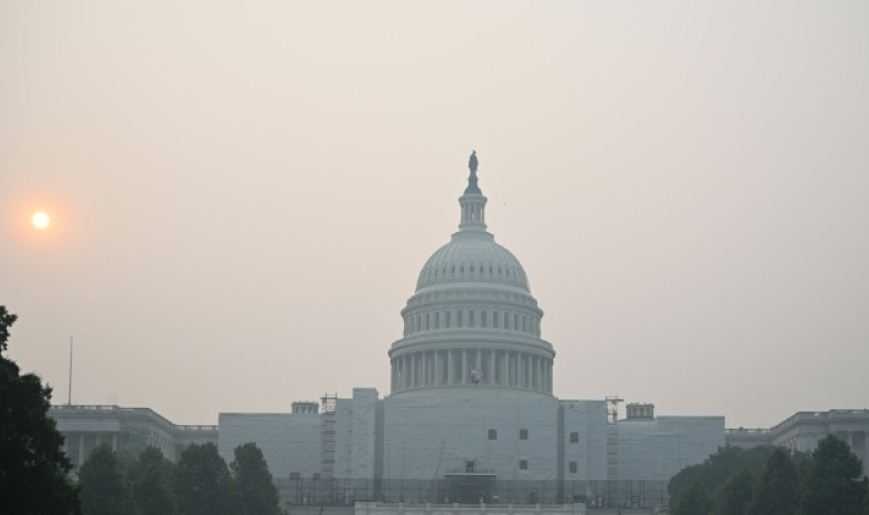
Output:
x=428 y=433
x=655 y=450
x=289 y=442
x=589 y=420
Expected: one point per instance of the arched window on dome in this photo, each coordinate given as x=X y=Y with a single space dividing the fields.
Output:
x=471 y=320
x=437 y=321
x=447 y=321
x=419 y=322
x=484 y=315
x=495 y=319
x=427 y=321
x=515 y=321
x=459 y=321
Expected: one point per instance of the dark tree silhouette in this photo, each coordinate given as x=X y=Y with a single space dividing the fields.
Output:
x=203 y=485
x=778 y=491
x=257 y=492
x=834 y=485
x=695 y=502
x=736 y=495
x=104 y=488
x=33 y=467
x=151 y=479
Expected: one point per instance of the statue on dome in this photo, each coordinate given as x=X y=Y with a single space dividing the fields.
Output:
x=472 y=162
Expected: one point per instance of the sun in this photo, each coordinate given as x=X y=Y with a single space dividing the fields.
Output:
x=40 y=220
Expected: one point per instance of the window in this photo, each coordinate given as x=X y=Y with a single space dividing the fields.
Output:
x=459 y=318
x=295 y=476
x=447 y=323
x=493 y=434
x=523 y=464
x=573 y=467
x=523 y=434
x=471 y=318
x=574 y=437
x=495 y=319
x=484 y=319
x=316 y=475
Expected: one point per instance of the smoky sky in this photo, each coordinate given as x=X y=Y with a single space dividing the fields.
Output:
x=243 y=193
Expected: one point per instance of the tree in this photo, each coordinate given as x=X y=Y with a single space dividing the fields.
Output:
x=151 y=480
x=256 y=490
x=834 y=485
x=104 y=489
x=203 y=485
x=778 y=491
x=717 y=470
x=695 y=502
x=33 y=467
x=736 y=495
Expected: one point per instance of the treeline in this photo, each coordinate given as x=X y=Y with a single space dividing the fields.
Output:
x=200 y=483
x=773 y=481
x=35 y=473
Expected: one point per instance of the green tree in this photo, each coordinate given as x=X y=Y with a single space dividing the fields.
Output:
x=203 y=485
x=151 y=480
x=104 y=488
x=736 y=495
x=695 y=502
x=834 y=485
x=717 y=470
x=256 y=490
x=33 y=466
x=778 y=491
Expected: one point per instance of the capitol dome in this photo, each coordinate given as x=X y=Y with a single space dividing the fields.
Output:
x=472 y=321
x=472 y=257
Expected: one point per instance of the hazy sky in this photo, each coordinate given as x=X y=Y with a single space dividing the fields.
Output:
x=243 y=193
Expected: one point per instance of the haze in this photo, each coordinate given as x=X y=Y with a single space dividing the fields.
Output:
x=242 y=195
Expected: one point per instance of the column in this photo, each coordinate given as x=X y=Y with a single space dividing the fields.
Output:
x=426 y=376
x=392 y=378
x=505 y=368
x=479 y=364
x=464 y=378
x=492 y=364
x=437 y=368
x=450 y=368
x=411 y=376
x=540 y=381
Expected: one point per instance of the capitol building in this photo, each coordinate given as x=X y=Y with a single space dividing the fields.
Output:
x=471 y=414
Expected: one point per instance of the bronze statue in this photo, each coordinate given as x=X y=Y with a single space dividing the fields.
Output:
x=472 y=162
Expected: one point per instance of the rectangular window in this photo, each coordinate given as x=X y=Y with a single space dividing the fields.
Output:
x=523 y=464
x=316 y=475
x=523 y=434
x=574 y=437
x=493 y=434
x=573 y=467
x=295 y=476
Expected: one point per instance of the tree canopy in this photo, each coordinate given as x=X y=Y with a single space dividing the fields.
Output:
x=104 y=487
x=256 y=489
x=203 y=484
x=33 y=468
x=151 y=479
x=834 y=485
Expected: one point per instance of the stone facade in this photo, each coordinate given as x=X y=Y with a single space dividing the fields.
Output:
x=130 y=430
